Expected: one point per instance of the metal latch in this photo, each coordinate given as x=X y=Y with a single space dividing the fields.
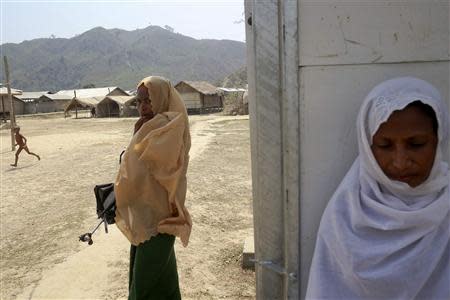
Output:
x=274 y=267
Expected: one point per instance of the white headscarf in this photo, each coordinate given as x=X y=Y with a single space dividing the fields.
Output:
x=379 y=238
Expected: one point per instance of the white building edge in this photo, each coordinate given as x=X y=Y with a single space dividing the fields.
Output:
x=310 y=65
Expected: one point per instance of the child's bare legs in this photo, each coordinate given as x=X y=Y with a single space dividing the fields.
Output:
x=20 y=150
x=31 y=153
x=17 y=157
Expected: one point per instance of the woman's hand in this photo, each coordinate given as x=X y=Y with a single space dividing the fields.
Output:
x=173 y=209
x=141 y=122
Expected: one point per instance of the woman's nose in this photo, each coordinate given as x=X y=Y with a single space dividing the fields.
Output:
x=400 y=159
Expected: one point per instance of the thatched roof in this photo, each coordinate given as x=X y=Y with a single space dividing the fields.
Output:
x=202 y=87
x=121 y=100
x=83 y=103
x=131 y=101
x=87 y=93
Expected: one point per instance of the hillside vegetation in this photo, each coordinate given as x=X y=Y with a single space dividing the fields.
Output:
x=115 y=57
x=238 y=79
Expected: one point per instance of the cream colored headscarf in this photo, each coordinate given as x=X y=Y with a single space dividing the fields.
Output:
x=150 y=187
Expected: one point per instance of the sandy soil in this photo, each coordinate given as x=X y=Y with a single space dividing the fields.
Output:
x=45 y=205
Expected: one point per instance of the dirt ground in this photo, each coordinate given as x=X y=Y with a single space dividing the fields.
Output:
x=45 y=205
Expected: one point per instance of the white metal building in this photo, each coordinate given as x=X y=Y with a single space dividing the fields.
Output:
x=310 y=65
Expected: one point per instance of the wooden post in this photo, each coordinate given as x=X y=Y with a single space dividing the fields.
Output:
x=12 y=116
x=76 y=104
x=3 y=110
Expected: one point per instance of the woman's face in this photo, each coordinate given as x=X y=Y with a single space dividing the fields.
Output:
x=405 y=146
x=144 y=103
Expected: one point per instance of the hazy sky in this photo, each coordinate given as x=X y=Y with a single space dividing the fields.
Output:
x=200 y=19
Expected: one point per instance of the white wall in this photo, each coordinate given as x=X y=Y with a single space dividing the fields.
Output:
x=310 y=65
x=328 y=132
x=346 y=48
x=372 y=31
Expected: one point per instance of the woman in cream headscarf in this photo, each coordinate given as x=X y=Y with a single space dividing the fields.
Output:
x=151 y=188
x=385 y=232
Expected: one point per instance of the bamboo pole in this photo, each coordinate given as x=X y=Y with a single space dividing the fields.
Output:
x=3 y=110
x=76 y=104
x=12 y=116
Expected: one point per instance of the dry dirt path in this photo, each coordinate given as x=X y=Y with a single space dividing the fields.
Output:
x=46 y=204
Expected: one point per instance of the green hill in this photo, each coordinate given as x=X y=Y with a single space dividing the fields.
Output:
x=115 y=57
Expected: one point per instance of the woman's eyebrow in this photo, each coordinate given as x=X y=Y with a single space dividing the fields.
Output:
x=418 y=136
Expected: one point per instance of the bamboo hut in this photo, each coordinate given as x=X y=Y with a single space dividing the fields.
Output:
x=59 y=102
x=116 y=106
x=233 y=101
x=88 y=99
x=82 y=104
x=5 y=106
x=30 y=100
x=199 y=96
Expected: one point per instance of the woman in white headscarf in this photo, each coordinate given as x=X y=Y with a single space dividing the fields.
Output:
x=150 y=190
x=385 y=232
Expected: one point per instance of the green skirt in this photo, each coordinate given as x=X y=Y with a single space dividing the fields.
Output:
x=153 y=270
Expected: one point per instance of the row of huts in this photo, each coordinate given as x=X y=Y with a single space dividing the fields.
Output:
x=199 y=96
x=68 y=100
